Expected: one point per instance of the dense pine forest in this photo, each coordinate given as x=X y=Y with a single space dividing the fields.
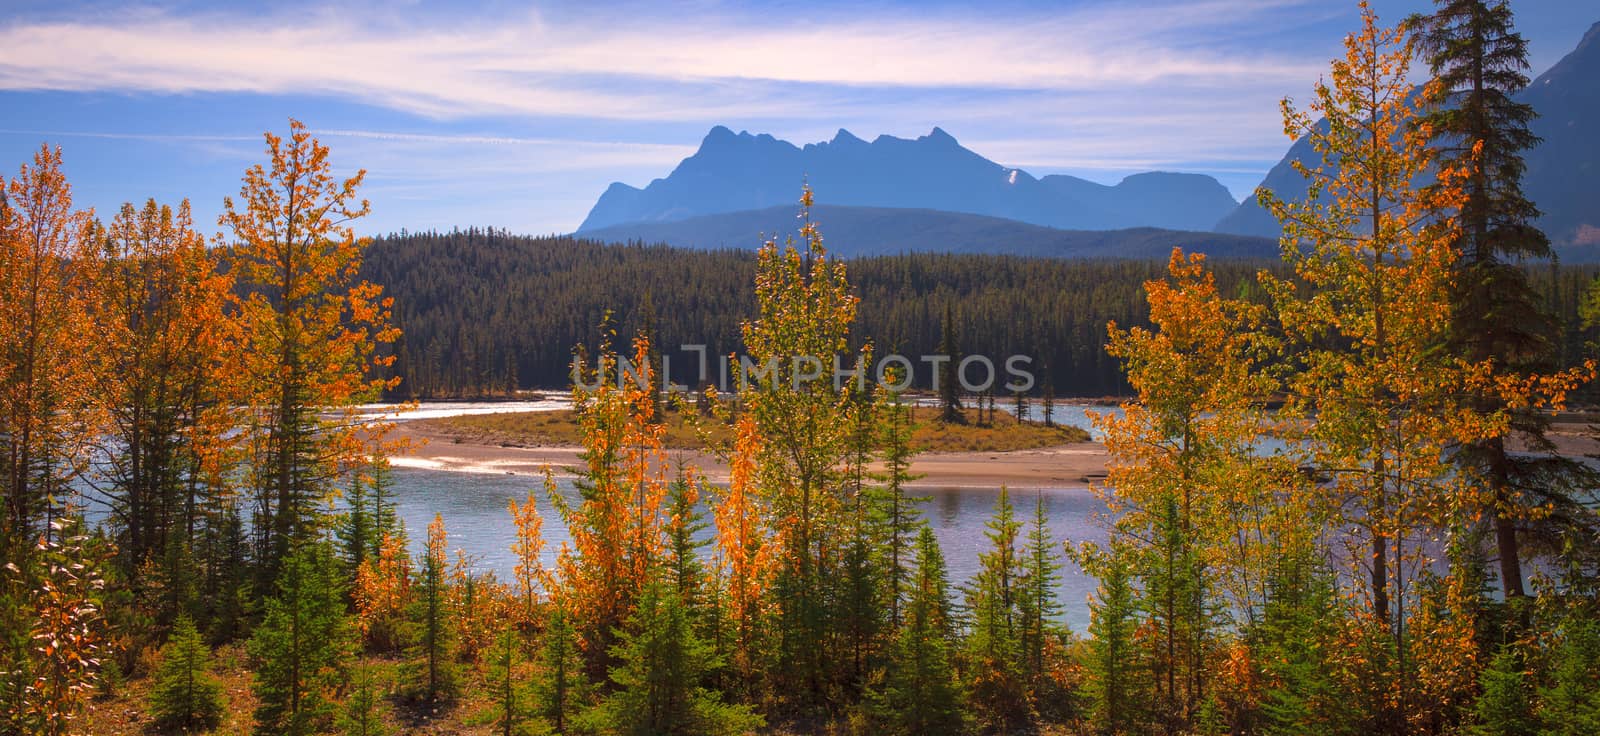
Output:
x=485 y=312
x=1416 y=559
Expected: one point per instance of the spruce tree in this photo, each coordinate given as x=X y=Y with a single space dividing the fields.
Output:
x=1294 y=641
x=898 y=511
x=185 y=695
x=658 y=680
x=1049 y=400
x=559 y=687
x=369 y=514
x=920 y=693
x=994 y=649
x=1570 y=705
x=1117 y=676
x=1505 y=708
x=1479 y=63
x=432 y=670
x=1041 y=576
x=302 y=646
x=684 y=541
x=502 y=681
x=949 y=374
x=363 y=709
x=354 y=530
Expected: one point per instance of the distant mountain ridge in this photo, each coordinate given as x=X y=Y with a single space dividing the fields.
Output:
x=854 y=232
x=1563 y=175
x=742 y=172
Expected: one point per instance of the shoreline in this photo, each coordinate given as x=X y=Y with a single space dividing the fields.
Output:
x=1063 y=466
x=1073 y=465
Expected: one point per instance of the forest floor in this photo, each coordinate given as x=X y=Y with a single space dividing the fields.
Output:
x=1020 y=455
x=126 y=712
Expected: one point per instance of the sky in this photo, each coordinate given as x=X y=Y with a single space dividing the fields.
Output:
x=517 y=115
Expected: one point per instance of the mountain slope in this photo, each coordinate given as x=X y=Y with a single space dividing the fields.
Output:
x=738 y=172
x=869 y=231
x=1563 y=176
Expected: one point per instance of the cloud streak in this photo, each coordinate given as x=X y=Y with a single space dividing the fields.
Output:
x=649 y=68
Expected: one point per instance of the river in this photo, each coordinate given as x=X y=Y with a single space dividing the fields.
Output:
x=473 y=505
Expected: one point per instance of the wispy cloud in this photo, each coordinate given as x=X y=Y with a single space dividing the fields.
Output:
x=632 y=68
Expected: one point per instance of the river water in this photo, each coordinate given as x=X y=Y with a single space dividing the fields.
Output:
x=473 y=506
x=477 y=522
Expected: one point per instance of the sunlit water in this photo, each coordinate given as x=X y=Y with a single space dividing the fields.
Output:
x=473 y=506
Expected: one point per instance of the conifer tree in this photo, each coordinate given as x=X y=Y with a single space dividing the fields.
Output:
x=185 y=695
x=1048 y=410
x=685 y=526
x=1117 y=674
x=1570 y=704
x=995 y=668
x=364 y=708
x=432 y=670
x=560 y=688
x=303 y=646
x=920 y=693
x=355 y=528
x=949 y=376
x=1294 y=640
x=1479 y=63
x=1505 y=708
x=369 y=513
x=1039 y=607
x=900 y=516
x=502 y=680
x=659 y=690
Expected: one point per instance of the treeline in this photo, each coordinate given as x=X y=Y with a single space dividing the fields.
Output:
x=485 y=312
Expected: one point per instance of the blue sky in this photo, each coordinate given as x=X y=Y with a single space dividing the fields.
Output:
x=518 y=115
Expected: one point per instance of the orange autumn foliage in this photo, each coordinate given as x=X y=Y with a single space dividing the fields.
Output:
x=48 y=411
x=309 y=330
x=744 y=549
x=165 y=371
x=382 y=592
x=532 y=577
x=618 y=526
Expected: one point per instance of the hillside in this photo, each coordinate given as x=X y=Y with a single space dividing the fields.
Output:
x=872 y=231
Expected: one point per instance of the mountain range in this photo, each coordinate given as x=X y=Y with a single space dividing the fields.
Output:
x=735 y=172
x=932 y=194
